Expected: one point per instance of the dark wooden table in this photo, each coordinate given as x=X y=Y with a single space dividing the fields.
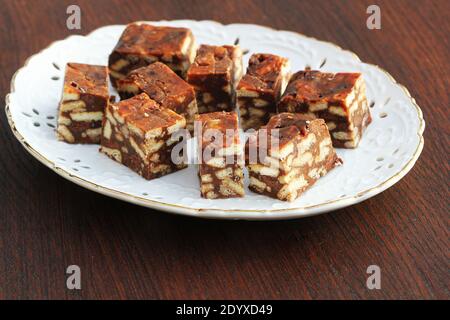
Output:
x=125 y=251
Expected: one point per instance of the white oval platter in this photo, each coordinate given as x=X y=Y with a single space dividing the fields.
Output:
x=388 y=150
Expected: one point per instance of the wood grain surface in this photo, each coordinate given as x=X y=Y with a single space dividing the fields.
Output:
x=128 y=252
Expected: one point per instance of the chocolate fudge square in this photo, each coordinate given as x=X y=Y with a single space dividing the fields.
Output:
x=84 y=98
x=220 y=155
x=288 y=155
x=260 y=89
x=140 y=134
x=143 y=44
x=338 y=98
x=164 y=86
x=214 y=76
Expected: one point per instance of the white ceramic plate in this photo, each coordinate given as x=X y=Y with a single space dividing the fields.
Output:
x=388 y=150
